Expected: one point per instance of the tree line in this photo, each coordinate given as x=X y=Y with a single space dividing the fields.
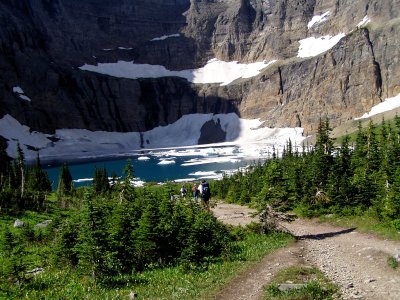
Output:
x=359 y=174
x=110 y=229
x=114 y=229
x=22 y=187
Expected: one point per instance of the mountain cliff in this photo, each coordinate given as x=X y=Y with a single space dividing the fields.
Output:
x=53 y=54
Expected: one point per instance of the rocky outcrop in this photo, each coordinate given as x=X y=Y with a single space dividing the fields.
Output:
x=42 y=44
x=340 y=85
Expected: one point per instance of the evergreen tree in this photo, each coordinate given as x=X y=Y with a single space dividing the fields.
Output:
x=20 y=164
x=340 y=181
x=126 y=188
x=38 y=185
x=323 y=158
x=94 y=250
x=64 y=182
x=100 y=181
x=4 y=164
x=15 y=266
x=391 y=208
x=145 y=235
x=359 y=165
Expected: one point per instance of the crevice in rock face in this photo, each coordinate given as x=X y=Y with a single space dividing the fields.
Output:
x=280 y=81
x=298 y=120
x=377 y=68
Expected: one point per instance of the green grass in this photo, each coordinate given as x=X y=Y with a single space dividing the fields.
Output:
x=316 y=285
x=366 y=223
x=174 y=282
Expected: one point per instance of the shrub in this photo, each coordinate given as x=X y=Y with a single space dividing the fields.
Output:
x=392 y=262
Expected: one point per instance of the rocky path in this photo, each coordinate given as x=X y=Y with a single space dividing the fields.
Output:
x=357 y=262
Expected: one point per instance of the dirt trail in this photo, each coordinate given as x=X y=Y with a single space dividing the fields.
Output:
x=357 y=262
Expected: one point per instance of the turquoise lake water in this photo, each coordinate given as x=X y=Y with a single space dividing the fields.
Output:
x=150 y=170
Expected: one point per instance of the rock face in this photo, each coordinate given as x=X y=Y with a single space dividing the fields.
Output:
x=42 y=44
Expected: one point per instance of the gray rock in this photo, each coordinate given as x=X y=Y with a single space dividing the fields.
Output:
x=43 y=224
x=350 y=285
x=18 y=223
x=35 y=271
x=289 y=286
x=43 y=58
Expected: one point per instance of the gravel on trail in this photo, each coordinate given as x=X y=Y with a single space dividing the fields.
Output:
x=356 y=262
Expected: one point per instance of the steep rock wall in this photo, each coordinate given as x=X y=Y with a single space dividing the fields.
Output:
x=42 y=44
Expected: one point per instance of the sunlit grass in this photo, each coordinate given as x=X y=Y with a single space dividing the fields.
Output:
x=315 y=286
x=366 y=223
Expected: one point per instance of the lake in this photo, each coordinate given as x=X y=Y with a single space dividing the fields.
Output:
x=178 y=164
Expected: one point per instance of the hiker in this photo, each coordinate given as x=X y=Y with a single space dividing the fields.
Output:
x=183 y=192
x=205 y=194
x=200 y=188
x=195 y=192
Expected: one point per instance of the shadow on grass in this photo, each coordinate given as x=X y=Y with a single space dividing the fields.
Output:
x=321 y=236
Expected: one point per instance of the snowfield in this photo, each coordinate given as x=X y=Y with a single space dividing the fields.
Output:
x=79 y=144
x=312 y=46
x=387 y=105
x=215 y=71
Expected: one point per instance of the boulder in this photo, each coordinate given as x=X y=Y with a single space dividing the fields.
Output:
x=289 y=286
x=18 y=223
x=43 y=224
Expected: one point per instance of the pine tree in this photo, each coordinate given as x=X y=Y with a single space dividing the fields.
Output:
x=100 y=181
x=95 y=252
x=38 y=185
x=14 y=267
x=391 y=207
x=4 y=164
x=359 y=166
x=145 y=235
x=65 y=185
x=64 y=181
x=322 y=156
x=20 y=161
x=340 y=181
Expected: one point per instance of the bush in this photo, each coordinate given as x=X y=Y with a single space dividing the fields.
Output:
x=392 y=262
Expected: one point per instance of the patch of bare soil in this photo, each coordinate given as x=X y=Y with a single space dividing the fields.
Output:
x=355 y=261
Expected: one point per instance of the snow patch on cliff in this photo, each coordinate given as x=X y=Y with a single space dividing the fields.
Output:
x=387 y=105
x=312 y=46
x=164 y=37
x=364 y=22
x=20 y=92
x=215 y=71
x=318 y=19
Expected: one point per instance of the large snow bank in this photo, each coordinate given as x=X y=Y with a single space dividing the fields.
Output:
x=387 y=105
x=85 y=144
x=215 y=71
x=312 y=46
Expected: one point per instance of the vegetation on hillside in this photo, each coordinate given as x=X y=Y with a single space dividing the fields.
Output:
x=112 y=238
x=349 y=179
